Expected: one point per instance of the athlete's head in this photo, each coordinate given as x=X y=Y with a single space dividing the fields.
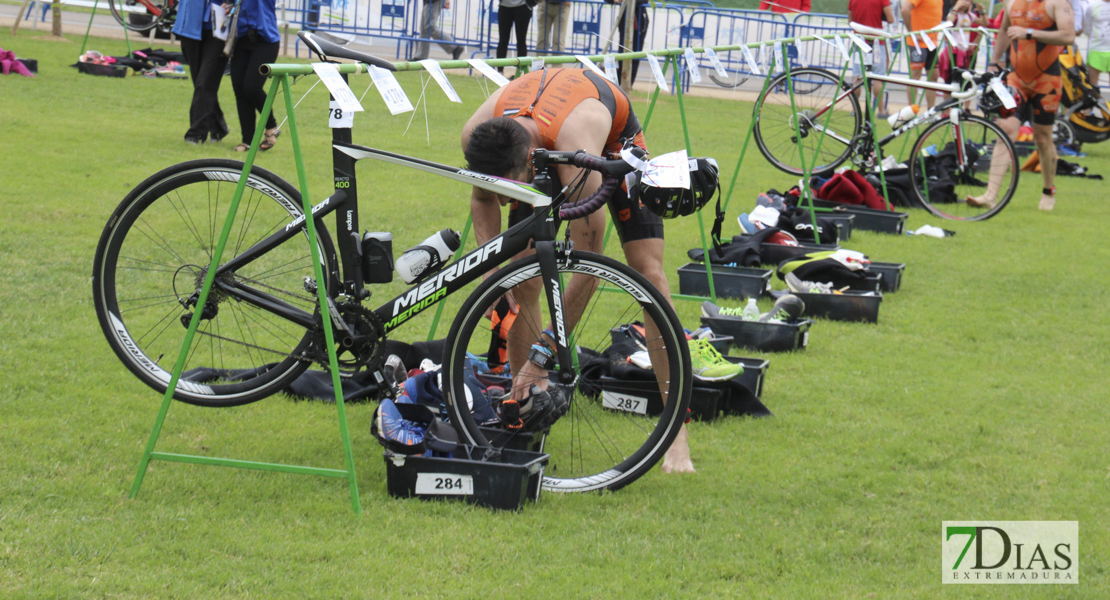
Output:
x=499 y=147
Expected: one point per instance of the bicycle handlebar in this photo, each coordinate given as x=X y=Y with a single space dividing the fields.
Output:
x=614 y=171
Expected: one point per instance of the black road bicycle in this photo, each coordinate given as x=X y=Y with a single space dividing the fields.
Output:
x=971 y=153
x=261 y=326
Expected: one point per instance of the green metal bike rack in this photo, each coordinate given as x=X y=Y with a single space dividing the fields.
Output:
x=149 y=454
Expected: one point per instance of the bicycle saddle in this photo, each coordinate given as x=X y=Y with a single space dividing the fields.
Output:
x=865 y=30
x=330 y=50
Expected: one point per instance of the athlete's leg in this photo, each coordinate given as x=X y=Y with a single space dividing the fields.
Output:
x=999 y=163
x=1042 y=137
x=646 y=256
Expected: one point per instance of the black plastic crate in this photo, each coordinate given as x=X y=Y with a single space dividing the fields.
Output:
x=728 y=282
x=892 y=275
x=870 y=283
x=643 y=397
x=845 y=306
x=869 y=219
x=843 y=224
x=764 y=337
x=754 y=370
x=501 y=479
x=102 y=70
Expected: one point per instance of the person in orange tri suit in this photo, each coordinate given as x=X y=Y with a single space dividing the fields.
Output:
x=1034 y=31
x=563 y=110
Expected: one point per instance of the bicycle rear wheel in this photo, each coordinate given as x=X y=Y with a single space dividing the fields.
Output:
x=116 y=7
x=820 y=119
x=943 y=180
x=606 y=440
x=153 y=256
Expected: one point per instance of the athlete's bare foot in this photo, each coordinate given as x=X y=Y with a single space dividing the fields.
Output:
x=981 y=201
x=677 y=458
x=1048 y=202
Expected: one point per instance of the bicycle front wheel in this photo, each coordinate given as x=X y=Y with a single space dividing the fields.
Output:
x=142 y=22
x=153 y=257
x=809 y=118
x=605 y=440
x=964 y=171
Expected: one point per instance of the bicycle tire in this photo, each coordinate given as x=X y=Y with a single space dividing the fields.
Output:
x=155 y=251
x=121 y=16
x=597 y=444
x=982 y=140
x=827 y=139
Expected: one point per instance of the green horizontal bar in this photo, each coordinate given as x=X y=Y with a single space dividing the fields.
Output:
x=246 y=464
x=274 y=69
x=689 y=297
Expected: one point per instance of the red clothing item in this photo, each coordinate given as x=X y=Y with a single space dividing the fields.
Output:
x=868 y=12
x=784 y=6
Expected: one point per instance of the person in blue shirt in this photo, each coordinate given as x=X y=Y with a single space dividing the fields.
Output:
x=257 y=43
x=204 y=55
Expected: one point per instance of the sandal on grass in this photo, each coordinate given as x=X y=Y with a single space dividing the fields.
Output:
x=242 y=147
x=269 y=138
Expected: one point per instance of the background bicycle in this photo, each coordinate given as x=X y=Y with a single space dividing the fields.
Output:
x=958 y=155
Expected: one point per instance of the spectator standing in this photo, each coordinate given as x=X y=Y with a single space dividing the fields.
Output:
x=639 y=34
x=430 y=30
x=873 y=13
x=257 y=42
x=513 y=14
x=204 y=53
x=553 y=19
x=920 y=15
x=785 y=6
x=1097 y=26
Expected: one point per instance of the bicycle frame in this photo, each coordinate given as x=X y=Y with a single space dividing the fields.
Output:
x=958 y=95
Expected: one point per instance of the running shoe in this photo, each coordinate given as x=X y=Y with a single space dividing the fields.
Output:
x=787 y=309
x=709 y=365
x=712 y=311
x=798 y=286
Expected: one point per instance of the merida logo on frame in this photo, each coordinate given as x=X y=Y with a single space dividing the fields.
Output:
x=1010 y=551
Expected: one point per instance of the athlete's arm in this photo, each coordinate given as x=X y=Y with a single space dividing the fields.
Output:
x=1002 y=40
x=1060 y=12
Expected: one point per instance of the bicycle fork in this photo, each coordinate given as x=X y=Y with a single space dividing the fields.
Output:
x=546 y=251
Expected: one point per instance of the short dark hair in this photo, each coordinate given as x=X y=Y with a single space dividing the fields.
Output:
x=498 y=147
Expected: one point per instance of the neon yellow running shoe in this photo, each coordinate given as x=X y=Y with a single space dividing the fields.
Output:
x=709 y=365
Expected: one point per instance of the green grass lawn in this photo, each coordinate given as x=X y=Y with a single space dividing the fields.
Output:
x=979 y=395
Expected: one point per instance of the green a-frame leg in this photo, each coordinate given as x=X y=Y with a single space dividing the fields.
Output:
x=149 y=454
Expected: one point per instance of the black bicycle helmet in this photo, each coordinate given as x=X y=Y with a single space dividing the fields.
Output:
x=680 y=202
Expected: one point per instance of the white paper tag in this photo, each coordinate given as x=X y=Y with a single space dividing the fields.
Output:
x=948 y=36
x=490 y=72
x=929 y=43
x=339 y=118
x=692 y=65
x=624 y=402
x=858 y=41
x=670 y=170
x=763 y=57
x=432 y=66
x=339 y=89
x=589 y=64
x=395 y=99
x=801 y=55
x=1003 y=93
x=653 y=62
x=610 y=65
x=843 y=49
x=913 y=40
x=780 y=65
x=444 y=484
x=751 y=60
x=715 y=62
x=537 y=65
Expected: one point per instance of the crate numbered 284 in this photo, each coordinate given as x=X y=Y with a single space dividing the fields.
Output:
x=444 y=484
